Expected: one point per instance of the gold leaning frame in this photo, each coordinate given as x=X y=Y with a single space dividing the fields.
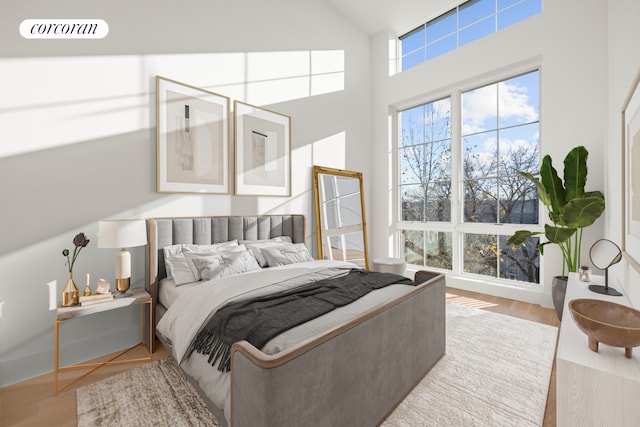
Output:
x=317 y=170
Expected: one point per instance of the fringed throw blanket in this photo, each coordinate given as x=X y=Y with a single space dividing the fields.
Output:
x=260 y=319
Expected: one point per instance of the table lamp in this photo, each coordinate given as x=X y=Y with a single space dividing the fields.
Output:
x=122 y=233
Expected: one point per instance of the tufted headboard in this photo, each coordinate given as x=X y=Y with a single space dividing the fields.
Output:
x=163 y=232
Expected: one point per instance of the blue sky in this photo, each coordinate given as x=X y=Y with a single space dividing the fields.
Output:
x=470 y=21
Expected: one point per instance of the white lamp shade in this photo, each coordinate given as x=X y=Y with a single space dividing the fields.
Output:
x=122 y=233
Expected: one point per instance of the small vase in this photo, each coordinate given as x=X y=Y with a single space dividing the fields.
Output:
x=70 y=292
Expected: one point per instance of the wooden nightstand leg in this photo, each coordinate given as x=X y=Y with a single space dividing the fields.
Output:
x=56 y=359
x=150 y=329
x=142 y=324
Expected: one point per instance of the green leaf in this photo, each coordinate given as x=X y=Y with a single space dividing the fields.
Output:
x=558 y=234
x=575 y=172
x=583 y=212
x=520 y=237
x=542 y=191
x=553 y=184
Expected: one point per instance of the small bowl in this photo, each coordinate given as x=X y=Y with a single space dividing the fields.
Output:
x=613 y=324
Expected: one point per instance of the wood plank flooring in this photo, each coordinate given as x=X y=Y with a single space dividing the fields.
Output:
x=31 y=402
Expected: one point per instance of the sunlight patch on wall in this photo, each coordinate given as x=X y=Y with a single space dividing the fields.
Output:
x=49 y=102
x=281 y=76
x=331 y=151
x=53 y=293
x=393 y=56
x=1 y=305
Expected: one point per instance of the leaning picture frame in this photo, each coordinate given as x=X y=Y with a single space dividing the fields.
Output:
x=631 y=174
x=262 y=151
x=192 y=139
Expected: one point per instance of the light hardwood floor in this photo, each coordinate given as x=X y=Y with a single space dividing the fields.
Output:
x=31 y=402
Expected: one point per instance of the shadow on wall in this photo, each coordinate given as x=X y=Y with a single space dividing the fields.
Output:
x=48 y=192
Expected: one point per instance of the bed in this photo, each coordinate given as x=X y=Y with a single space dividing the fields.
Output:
x=343 y=371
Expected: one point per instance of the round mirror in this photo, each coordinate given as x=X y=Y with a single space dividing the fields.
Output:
x=604 y=253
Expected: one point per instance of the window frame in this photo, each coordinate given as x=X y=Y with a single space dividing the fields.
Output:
x=497 y=26
x=457 y=226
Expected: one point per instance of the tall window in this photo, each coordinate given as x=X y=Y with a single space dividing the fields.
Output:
x=460 y=193
x=463 y=24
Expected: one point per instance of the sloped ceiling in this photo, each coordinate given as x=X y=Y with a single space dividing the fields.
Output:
x=399 y=16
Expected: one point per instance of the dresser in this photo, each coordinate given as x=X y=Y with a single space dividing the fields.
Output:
x=594 y=389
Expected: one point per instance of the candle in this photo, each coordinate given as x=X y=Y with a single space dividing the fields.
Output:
x=87 y=289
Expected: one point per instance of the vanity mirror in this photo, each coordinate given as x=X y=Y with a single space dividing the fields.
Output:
x=341 y=230
x=604 y=253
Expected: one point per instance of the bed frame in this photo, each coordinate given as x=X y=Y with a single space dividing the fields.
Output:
x=351 y=375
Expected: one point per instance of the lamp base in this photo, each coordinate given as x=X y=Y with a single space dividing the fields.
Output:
x=605 y=290
x=122 y=285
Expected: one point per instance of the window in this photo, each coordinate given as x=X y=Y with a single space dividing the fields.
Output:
x=470 y=21
x=460 y=193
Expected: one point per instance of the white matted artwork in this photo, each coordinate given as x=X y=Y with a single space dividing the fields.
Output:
x=631 y=175
x=263 y=151
x=192 y=139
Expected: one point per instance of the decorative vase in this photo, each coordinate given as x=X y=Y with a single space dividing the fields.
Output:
x=558 y=290
x=70 y=292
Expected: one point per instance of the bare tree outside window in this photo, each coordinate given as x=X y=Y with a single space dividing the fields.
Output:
x=425 y=161
x=498 y=130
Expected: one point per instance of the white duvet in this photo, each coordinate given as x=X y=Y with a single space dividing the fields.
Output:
x=183 y=319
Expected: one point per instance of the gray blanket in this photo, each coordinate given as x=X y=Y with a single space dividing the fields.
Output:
x=260 y=319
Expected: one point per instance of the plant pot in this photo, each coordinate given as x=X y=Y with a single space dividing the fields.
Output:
x=558 y=290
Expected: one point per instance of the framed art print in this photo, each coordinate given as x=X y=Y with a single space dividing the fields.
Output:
x=631 y=175
x=263 y=151
x=192 y=139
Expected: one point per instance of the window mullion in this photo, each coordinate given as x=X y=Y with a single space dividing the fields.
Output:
x=457 y=196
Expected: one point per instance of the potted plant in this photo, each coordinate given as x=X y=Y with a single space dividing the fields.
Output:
x=571 y=209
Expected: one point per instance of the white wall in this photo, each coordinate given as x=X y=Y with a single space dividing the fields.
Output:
x=624 y=64
x=78 y=140
x=569 y=41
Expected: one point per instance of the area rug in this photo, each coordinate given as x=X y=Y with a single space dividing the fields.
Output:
x=155 y=394
x=495 y=372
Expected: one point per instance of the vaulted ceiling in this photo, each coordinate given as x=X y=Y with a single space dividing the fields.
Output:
x=399 y=16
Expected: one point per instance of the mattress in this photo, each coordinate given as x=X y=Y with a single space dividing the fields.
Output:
x=168 y=292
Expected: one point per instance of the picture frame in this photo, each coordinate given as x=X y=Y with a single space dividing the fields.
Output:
x=192 y=139
x=631 y=175
x=262 y=151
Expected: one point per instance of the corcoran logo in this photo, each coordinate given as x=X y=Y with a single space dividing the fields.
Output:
x=64 y=29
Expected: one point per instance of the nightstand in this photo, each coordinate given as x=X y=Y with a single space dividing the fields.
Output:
x=134 y=296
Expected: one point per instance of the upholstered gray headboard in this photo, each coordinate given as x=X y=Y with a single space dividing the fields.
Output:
x=163 y=232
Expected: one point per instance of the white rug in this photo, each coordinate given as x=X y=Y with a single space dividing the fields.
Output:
x=154 y=394
x=495 y=372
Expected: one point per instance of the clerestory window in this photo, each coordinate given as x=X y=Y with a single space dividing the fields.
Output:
x=463 y=24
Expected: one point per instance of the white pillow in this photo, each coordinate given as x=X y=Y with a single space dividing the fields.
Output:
x=176 y=263
x=257 y=249
x=170 y=253
x=190 y=255
x=286 y=254
x=178 y=269
x=223 y=265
